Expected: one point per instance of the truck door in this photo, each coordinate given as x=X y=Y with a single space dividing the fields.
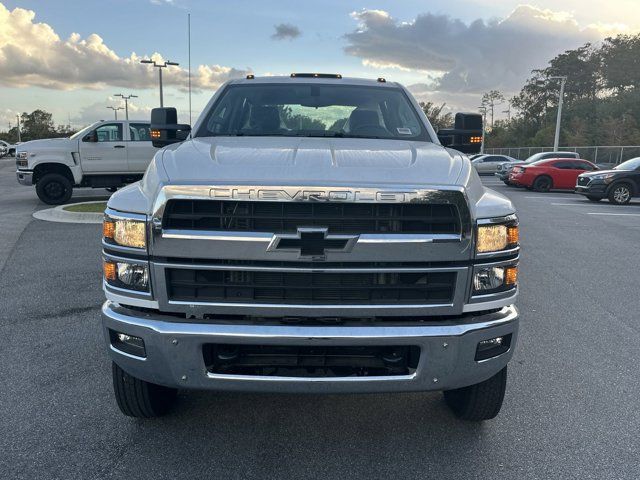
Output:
x=139 y=148
x=103 y=150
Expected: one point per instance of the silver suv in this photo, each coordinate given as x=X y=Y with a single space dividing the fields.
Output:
x=310 y=234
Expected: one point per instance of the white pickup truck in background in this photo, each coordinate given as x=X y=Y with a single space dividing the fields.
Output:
x=106 y=154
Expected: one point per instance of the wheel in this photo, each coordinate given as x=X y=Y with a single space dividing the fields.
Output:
x=137 y=398
x=481 y=401
x=54 y=189
x=593 y=199
x=542 y=184
x=620 y=194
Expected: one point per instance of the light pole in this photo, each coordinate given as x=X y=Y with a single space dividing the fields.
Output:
x=115 y=110
x=563 y=81
x=483 y=109
x=126 y=103
x=18 y=118
x=160 y=66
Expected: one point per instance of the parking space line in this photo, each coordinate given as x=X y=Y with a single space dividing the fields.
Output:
x=573 y=204
x=550 y=198
x=615 y=214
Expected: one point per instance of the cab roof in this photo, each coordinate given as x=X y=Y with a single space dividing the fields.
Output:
x=319 y=80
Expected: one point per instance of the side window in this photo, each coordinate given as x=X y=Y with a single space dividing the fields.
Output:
x=110 y=132
x=139 y=132
x=564 y=165
x=582 y=166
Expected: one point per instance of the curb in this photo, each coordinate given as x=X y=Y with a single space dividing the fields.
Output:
x=58 y=214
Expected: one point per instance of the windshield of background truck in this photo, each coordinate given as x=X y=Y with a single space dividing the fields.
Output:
x=310 y=110
x=84 y=131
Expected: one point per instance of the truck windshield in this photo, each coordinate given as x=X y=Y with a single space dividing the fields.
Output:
x=82 y=132
x=309 y=110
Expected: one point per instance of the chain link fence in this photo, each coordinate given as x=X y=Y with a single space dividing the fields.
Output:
x=602 y=155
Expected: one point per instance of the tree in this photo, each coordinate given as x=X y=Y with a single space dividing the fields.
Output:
x=602 y=98
x=436 y=116
x=490 y=100
x=620 y=63
x=37 y=124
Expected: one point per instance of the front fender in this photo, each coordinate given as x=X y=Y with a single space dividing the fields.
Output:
x=57 y=159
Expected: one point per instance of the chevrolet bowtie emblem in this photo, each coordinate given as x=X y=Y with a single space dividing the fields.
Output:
x=312 y=243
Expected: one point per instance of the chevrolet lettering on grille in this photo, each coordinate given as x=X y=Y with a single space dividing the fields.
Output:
x=311 y=243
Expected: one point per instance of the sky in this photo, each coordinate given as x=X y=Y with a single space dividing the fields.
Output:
x=71 y=57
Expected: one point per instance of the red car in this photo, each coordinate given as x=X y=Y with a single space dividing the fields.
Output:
x=543 y=175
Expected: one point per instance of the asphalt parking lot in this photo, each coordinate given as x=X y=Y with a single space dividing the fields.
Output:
x=571 y=409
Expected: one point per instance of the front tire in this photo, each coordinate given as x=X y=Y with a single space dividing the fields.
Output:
x=140 y=399
x=481 y=401
x=54 y=189
x=620 y=194
x=542 y=184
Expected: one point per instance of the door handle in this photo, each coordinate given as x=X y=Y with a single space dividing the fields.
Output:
x=118 y=146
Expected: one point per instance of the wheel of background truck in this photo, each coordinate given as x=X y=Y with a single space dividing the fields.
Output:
x=481 y=401
x=542 y=184
x=620 y=194
x=54 y=189
x=593 y=199
x=140 y=399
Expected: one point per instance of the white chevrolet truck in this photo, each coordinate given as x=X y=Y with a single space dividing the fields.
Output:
x=310 y=234
x=106 y=154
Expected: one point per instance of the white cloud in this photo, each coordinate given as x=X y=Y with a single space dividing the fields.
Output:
x=99 y=111
x=32 y=54
x=470 y=58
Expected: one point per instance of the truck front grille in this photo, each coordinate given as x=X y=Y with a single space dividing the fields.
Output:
x=302 y=362
x=309 y=288
x=285 y=217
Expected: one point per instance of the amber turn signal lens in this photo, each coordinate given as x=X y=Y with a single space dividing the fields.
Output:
x=109 y=269
x=513 y=235
x=108 y=229
x=155 y=134
x=511 y=275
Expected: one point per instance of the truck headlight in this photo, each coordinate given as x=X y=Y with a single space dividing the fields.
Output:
x=494 y=238
x=125 y=232
x=22 y=155
x=132 y=276
x=493 y=279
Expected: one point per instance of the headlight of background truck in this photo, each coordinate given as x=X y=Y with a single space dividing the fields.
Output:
x=125 y=232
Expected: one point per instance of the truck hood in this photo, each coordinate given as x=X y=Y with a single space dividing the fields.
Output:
x=310 y=161
x=47 y=144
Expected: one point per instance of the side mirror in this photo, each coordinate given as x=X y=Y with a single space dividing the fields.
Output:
x=90 y=137
x=165 y=128
x=465 y=136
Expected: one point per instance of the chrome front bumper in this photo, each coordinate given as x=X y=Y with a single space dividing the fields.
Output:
x=24 y=177
x=174 y=351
